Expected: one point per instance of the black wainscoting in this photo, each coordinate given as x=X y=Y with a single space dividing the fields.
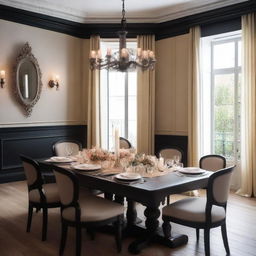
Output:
x=35 y=142
x=165 y=141
x=161 y=30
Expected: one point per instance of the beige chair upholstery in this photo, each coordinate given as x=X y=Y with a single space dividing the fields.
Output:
x=203 y=213
x=124 y=143
x=212 y=162
x=193 y=209
x=94 y=209
x=169 y=153
x=51 y=193
x=66 y=148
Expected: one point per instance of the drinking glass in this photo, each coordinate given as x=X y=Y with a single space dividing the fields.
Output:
x=69 y=150
x=176 y=159
x=169 y=163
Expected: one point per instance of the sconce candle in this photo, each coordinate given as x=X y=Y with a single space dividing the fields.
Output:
x=54 y=82
x=2 y=78
x=25 y=86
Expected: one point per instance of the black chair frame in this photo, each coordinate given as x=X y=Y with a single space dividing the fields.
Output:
x=78 y=224
x=207 y=225
x=42 y=204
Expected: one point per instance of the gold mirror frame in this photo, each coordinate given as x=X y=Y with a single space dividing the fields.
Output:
x=26 y=55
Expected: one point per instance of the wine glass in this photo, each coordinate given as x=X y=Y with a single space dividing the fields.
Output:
x=176 y=159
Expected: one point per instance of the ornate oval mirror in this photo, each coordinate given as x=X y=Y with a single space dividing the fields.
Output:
x=28 y=79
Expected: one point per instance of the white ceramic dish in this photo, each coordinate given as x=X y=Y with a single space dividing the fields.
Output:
x=191 y=170
x=87 y=167
x=60 y=159
x=128 y=176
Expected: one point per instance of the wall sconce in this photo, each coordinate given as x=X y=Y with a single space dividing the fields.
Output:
x=2 y=78
x=54 y=82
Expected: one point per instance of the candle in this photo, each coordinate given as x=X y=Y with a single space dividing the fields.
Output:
x=2 y=74
x=109 y=52
x=117 y=143
x=25 y=87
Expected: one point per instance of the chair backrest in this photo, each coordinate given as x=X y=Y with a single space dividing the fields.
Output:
x=212 y=162
x=32 y=172
x=68 y=186
x=219 y=186
x=124 y=143
x=66 y=147
x=169 y=153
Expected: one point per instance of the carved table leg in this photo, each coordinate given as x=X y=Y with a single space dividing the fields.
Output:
x=152 y=214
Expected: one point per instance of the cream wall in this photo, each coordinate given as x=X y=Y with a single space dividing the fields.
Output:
x=56 y=53
x=172 y=86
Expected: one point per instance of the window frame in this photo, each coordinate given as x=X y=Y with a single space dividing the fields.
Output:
x=236 y=71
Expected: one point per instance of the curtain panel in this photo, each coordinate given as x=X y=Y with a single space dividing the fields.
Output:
x=93 y=119
x=146 y=101
x=248 y=107
x=194 y=97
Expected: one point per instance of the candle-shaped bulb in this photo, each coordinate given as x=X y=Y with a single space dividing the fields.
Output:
x=151 y=55
x=109 y=52
x=2 y=74
x=99 y=54
x=93 y=54
x=139 y=51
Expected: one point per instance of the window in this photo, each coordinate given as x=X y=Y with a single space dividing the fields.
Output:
x=220 y=96
x=118 y=100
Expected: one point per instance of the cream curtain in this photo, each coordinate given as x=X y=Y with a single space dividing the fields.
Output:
x=146 y=101
x=93 y=119
x=194 y=97
x=248 y=107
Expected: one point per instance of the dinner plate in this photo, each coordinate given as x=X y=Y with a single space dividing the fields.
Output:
x=191 y=170
x=128 y=176
x=60 y=159
x=87 y=167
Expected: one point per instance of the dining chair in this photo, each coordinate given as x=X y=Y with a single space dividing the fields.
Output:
x=212 y=162
x=203 y=213
x=66 y=147
x=170 y=152
x=40 y=195
x=87 y=211
x=124 y=143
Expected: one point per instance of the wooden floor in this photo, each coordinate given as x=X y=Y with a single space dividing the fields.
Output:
x=14 y=241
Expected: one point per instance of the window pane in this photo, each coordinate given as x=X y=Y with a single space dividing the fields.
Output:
x=132 y=108
x=224 y=115
x=224 y=55
x=239 y=53
x=116 y=104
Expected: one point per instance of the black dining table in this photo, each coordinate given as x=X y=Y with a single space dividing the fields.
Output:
x=150 y=192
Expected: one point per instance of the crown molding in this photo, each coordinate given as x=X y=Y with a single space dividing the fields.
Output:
x=75 y=15
x=108 y=30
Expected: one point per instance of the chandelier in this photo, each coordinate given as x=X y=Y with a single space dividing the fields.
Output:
x=125 y=59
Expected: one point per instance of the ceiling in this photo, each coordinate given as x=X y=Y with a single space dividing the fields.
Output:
x=109 y=11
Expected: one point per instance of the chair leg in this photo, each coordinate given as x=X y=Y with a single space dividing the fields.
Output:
x=197 y=233
x=167 y=228
x=118 y=235
x=168 y=200
x=78 y=239
x=225 y=238
x=30 y=213
x=91 y=233
x=207 y=241
x=45 y=223
x=64 y=229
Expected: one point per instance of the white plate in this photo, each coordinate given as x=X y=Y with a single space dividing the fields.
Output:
x=60 y=159
x=191 y=170
x=87 y=167
x=128 y=176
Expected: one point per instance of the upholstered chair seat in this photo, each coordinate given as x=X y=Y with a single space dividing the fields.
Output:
x=51 y=194
x=93 y=209
x=193 y=209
